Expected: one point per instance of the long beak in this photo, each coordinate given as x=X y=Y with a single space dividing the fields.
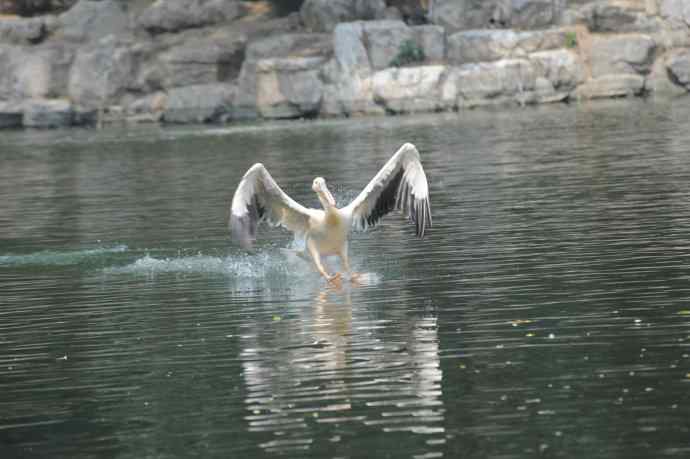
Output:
x=328 y=195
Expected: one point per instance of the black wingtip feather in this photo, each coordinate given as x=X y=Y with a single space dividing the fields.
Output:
x=243 y=227
x=387 y=199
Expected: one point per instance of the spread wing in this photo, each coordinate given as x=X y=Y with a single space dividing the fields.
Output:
x=259 y=198
x=400 y=184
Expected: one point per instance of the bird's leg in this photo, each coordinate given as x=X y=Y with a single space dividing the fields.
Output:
x=316 y=257
x=346 y=264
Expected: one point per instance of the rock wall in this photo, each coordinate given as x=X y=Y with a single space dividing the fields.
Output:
x=182 y=61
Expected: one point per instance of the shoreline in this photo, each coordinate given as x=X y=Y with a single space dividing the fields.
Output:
x=102 y=62
x=79 y=134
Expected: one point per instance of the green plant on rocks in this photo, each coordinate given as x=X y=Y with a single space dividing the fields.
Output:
x=571 y=40
x=409 y=53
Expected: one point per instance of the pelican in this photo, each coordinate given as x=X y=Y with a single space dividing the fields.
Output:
x=399 y=185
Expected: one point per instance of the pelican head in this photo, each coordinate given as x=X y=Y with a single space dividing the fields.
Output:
x=321 y=190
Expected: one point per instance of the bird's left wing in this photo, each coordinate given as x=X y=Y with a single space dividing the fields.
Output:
x=400 y=184
x=259 y=198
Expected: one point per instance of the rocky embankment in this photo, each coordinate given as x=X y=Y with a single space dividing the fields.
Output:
x=188 y=61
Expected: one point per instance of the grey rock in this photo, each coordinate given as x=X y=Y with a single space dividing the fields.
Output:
x=102 y=73
x=630 y=53
x=349 y=75
x=91 y=20
x=32 y=75
x=531 y=14
x=7 y=53
x=432 y=40
x=324 y=15
x=151 y=103
x=678 y=65
x=480 y=46
x=384 y=39
x=175 y=15
x=34 y=72
x=492 y=45
x=349 y=49
x=291 y=44
x=677 y=11
x=294 y=45
x=203 y=60
x=608 y=16
x=22 y=30
x=477 y=84
x=392 y=14
x=84 y=116
x=198 y=103
x=612 y=18
x=610 y=86
x=563 y=69
x=10 y=115
x=47 y=113
x=34 y=7
x=413 y=11
x=456 y=15
x=507 y=81
x=662 y=82
x=545 y=93
x=409 y=89
x=289 y=87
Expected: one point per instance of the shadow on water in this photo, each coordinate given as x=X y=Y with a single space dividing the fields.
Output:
x=545 y=315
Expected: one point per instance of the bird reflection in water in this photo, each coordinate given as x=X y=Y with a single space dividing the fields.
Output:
x=346 y=367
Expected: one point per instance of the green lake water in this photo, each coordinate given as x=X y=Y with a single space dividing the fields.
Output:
x=546 y=314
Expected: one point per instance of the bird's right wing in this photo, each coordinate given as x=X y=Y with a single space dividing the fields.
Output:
x=259 y=198
x=400 y=184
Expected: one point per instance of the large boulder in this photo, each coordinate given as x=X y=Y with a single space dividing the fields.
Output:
x=47 y=113
x=670 y=75
x=677 y=11
x=203 y=60
x=531 y=14
x=563 y=69
x=176 y=15
x=409 y=89
x=277 y=46
x=432 y=40
x=610 y=86
x=23 y=31
x=619 y=16
x=491 y=45
x=34 y=72
x=348 y=88
x=455 y=15
x=613 y=54
x=32 y=76
x=34 y=7
x=501 y=82
x=90 y=20
x=102 y=73
x=289 y=87
x=678 y=65
x=324 y=15
x=383 y=41
x=386 y=43
x=199 y=103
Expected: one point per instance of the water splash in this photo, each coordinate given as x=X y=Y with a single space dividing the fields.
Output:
x=60 y=258
x=256 y=266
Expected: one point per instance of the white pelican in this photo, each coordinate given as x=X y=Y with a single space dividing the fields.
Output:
x=400 y=184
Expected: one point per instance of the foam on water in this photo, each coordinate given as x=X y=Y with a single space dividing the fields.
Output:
x=255 y=266
x=60 y=258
